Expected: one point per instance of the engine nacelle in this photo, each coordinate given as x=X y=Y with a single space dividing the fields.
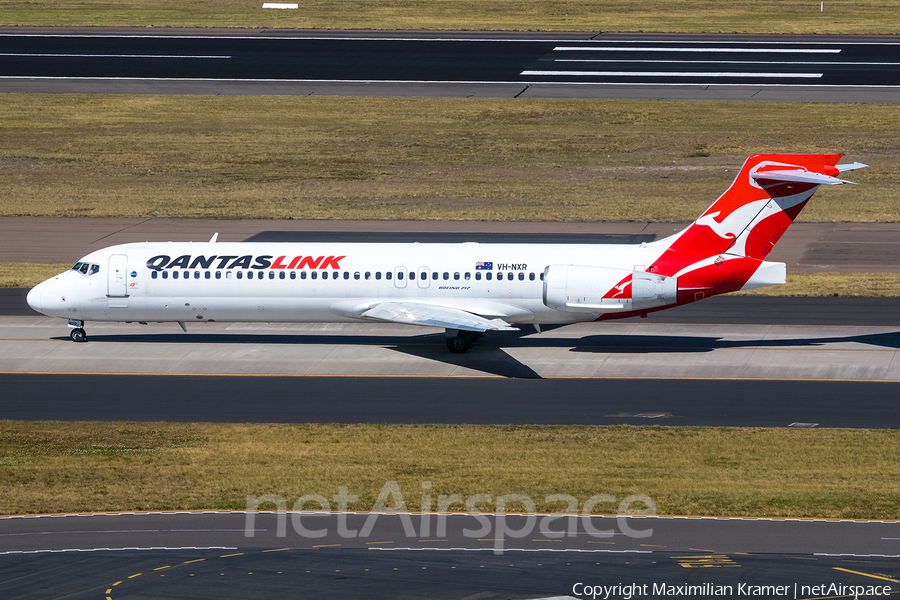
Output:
x=580 y=288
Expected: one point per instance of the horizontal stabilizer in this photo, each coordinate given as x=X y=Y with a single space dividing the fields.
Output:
x=850 y=166
x=797 y=176
x=414 y=313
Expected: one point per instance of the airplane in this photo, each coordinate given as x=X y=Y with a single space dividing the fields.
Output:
x=466 y=288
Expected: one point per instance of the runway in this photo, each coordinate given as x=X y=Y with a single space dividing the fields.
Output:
x=520 y=65
x=214 y=555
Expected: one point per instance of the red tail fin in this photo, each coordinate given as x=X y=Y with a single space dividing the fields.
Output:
x=750 y=217
x=723 y=250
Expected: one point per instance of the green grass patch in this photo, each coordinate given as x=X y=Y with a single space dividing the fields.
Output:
x=718 y=16
x=51 y=467
x=422 y=158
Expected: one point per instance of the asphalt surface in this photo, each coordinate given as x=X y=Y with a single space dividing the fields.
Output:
x=591 y=64
x=212 y=556
x=417 y=400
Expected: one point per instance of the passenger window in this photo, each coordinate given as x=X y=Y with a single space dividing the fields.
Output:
x=314 y=274
x=509 y=276
x=165 y=274
x=488 y=275
x=456 y=276
x=174 y=274
x=272 y=274
x=477 y=276
x=356 y=275
x=280 y=274
x=434 y=275
x=302 y=274
x=207 y=274
x=377 y=275
x=531 y=277
x=153 y=274
x=293 y=274
x=347 y=274
x=368 y=275
x=227 y=274
x=423 y=275
x=334 y=275
x=399 y=274
x=542 y=275
x=467 y=276
x=218 y=274
x=196 y=274
x=446 y=275
x=388 y=275
x=240 y=274
x=521 y=276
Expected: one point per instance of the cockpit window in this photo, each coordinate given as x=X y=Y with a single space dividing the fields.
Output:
x=86 y=268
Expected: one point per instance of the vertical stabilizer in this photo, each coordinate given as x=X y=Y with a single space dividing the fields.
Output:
x=720 y=251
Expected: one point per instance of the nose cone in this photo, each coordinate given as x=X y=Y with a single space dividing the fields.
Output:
x=34 y=297
x=52 y=298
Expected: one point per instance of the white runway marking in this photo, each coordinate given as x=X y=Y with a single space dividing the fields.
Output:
x=722 y=62
x=119 y=549
x=27 y=55
x=703 y=49
x=668 y=74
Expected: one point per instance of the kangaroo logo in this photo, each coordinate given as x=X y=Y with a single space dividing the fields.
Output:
x=733 y=224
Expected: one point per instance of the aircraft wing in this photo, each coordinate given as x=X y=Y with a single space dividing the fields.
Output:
x=413 y=313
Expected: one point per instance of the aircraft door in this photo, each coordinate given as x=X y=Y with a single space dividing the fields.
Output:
x=400 y=277
x=423 y=277
x=117 y=288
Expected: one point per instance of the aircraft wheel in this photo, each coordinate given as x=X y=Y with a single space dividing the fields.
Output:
x=78 y=335
x=458 y=344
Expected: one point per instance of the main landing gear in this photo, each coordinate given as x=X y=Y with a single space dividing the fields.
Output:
x=458 y=340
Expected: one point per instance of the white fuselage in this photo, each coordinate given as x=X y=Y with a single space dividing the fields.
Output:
x=268 y=282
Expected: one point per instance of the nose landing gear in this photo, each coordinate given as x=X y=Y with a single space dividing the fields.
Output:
x=77 y=334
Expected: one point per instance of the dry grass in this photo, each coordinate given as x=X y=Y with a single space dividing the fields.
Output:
x=421 y=158
x=719 y=16
x=68 y=467
x=26 y=275
x=869 y=285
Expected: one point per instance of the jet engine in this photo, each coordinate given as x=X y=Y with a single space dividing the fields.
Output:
x=580 y=288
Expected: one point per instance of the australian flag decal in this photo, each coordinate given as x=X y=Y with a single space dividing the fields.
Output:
x=484 y=266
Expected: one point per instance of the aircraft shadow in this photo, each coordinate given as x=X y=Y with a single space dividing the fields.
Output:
x=497 y=340
x=485 y=359
x=640 y=344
